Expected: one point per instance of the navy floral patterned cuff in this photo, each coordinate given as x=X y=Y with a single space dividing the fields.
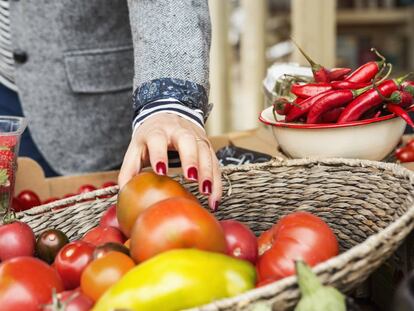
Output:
x=190 y=94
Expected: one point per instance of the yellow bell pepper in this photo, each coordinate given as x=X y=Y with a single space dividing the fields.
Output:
x=179 y=279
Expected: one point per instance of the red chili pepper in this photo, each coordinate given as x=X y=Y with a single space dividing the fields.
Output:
x=399 y=111
x=297 y=112
x=338 y=73
x=332 y=115
x=368 y=71
x=403 y=98
x=320 y=73
x=310 y=89
x=281 y=106
x=374 y=112
x=298 y=100
x=349 y=85
x=372 y=98
x=330 y=101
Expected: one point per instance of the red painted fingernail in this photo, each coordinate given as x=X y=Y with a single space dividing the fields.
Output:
x=207 y=187
x=192 y=173
x=161 y=168
x=216 y=205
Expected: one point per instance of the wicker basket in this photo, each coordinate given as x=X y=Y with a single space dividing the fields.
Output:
x=368 y=205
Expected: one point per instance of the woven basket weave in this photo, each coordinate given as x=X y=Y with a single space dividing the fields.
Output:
x=368 y=204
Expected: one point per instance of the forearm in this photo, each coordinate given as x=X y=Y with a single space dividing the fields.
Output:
x=171 y=47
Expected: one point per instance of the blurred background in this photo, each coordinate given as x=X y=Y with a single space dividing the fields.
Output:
x=251 y=35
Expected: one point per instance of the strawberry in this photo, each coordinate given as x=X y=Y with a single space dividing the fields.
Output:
x=8 y=141
x=7 y=163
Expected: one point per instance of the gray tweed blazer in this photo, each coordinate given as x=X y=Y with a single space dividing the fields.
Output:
x=86 y=57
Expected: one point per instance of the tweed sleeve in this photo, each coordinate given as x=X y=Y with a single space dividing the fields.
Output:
x=171 y=58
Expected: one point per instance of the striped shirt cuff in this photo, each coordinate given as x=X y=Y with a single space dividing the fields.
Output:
x=169 y=105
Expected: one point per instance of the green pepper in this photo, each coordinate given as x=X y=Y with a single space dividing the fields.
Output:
x=179 y=279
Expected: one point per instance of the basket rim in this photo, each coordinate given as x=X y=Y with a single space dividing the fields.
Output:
x=372 y=242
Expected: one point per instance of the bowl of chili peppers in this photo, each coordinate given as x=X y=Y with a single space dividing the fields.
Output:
x=343 y=113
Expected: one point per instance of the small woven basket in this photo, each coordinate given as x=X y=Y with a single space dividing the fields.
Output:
x=368 y=204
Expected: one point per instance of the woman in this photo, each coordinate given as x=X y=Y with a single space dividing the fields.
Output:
x=72 y=64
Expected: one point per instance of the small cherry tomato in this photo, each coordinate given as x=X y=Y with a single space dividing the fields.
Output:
x=406 y=155
x=86 y=188
x=71 y=260
x=28 y=199
x=101 y=235
x=104 y=272
x=241 y=241
x=109 y=184
x=16 y=205
x=16 y=239
x=410 y=144
x=103 y=249
x=50 y=200
x=73 y=300
x=49 y=243
x=109 y=218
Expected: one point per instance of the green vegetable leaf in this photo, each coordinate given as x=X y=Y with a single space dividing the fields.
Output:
x=3 y=177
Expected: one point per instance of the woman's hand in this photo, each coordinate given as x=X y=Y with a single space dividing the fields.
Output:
x=166 y=131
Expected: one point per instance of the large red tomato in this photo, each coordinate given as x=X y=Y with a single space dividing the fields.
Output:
x=101 y=235
x=241 y=241
x=142 y=191
x=109 y=219
x=72 y=260
x=298 y=236
x=28 y=199
x=26 y=283
x=104 y=272
x=16 y=239
x=175 y=223
x=74 y=300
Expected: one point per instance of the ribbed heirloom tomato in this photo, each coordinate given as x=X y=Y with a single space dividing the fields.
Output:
x=298 y=236
x=175 y=223
x=142 y=191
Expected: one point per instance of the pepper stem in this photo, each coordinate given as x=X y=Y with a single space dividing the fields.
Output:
x=378 y=54
x=403 y=78
x=310 y=60
x=308 y=282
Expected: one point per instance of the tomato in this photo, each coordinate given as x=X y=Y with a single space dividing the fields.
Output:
x=50 y=200
x=142 y=191
x=16 y=205
x=26 y=283
x=410 y=144
x=72 y=260
x=406 y=155
x=16 y=239
x=103 y=249
x=28 y=199
x=175 y=223
x=86 y=188
x=101 y=235
x=298 y=236
x=108 y=218
x=74 y=300
x=241 y=241
x=265 y=241
x=104 y=272
x=49 y=244
x=109 y=184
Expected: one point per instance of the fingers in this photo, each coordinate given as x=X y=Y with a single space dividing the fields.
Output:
x=131 y=164
x=205 y=167
x=186 y=144
x=157 y=143
x=215 y=197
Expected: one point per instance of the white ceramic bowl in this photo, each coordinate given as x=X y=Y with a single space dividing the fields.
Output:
x=370 y=139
